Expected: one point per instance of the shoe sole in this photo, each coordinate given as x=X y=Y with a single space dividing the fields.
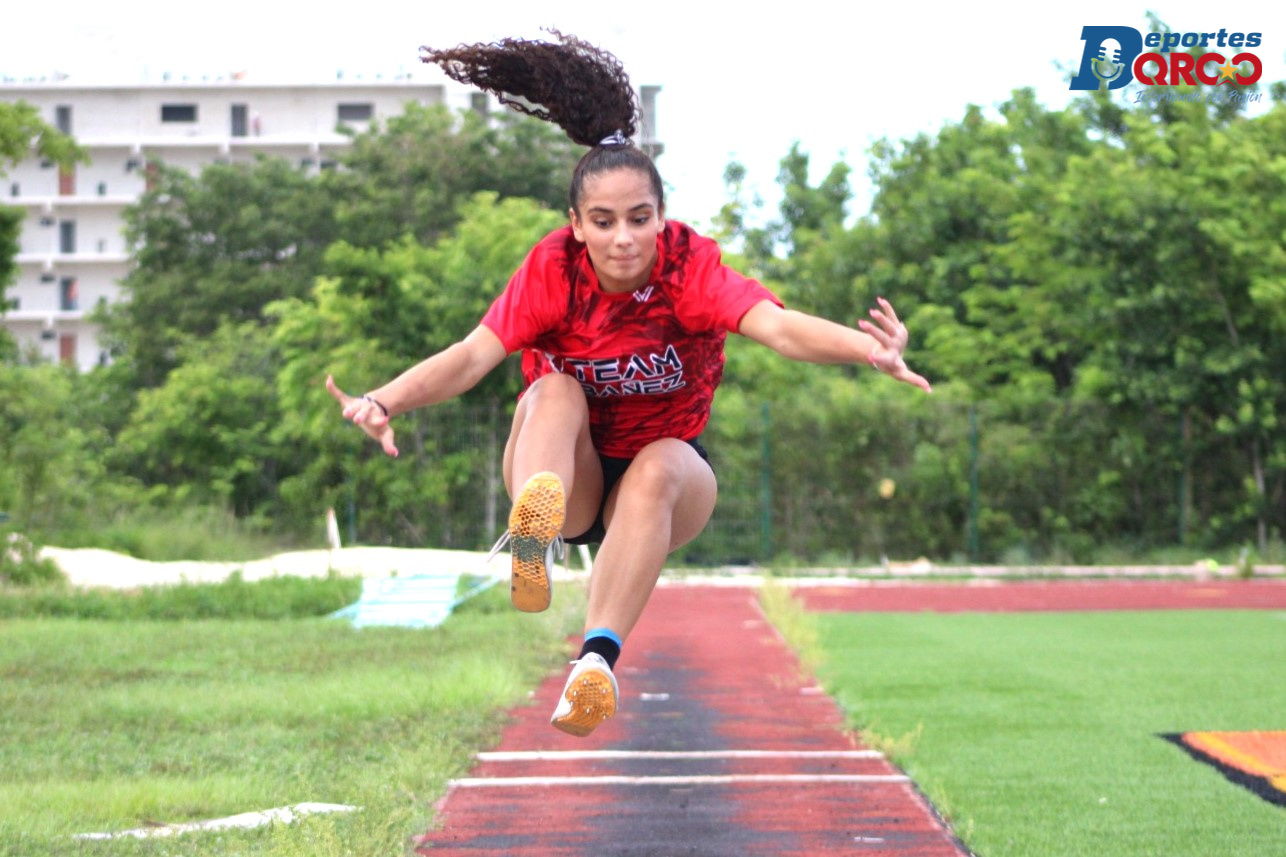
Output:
x=534 y=523
x=592 y=701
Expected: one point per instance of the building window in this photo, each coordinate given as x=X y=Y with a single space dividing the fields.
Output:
x=62 y=118
x=68 y=294
x=240 y=121
x=67 y=236
x=102 y=188
x=15 y=189
x=67 y=348
x=178 y=112
x=356 y=112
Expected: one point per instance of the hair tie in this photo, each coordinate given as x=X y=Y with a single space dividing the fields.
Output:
x=616 y=138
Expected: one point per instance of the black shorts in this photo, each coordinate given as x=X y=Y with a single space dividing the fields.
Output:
x=613 y=470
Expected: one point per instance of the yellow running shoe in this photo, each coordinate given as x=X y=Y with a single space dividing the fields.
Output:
x=534 y=540
x=589 y=697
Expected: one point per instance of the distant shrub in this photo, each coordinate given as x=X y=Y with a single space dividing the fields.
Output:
x=234 y=598
x=21 y=563
x=176 y=531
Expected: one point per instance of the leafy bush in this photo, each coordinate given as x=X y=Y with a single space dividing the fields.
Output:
x=165 y=529
x=21 y=563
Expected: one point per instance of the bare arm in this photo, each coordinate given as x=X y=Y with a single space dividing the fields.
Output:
x=804 y=337
x=445 y=375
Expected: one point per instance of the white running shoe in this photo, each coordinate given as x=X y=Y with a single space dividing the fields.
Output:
x=535 y=525
x=589 y=697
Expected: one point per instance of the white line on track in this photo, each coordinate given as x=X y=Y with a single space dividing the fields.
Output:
x=528 y=782
x=592 y=755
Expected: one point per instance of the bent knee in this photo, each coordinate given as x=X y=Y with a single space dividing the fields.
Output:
x=556 y=387
x=662 y=469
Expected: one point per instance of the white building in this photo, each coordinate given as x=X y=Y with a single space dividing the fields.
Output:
x=72 y=250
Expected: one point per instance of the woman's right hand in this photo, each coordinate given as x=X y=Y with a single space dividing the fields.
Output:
x=365 y=414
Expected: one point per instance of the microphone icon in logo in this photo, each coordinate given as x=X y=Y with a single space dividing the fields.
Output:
x=1107 y=65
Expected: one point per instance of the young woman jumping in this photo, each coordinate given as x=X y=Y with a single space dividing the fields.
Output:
x=621 y=318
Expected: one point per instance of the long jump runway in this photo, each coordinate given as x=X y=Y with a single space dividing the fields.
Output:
x=1038 y=595
x=722 y=747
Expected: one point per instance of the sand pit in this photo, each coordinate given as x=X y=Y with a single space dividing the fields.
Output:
x=92 y=567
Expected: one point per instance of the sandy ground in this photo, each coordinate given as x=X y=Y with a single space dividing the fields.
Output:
x=91 y=567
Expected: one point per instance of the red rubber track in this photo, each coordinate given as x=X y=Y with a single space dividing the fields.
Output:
x=703 y=672
x=992 y=596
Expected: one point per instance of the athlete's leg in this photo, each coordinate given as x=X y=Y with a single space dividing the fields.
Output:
x=551 y=433
x=554 y=476
x=663 y=501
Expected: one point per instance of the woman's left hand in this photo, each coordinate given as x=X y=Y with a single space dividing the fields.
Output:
x=890 y=336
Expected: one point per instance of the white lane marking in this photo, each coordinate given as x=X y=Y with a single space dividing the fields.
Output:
x=244 y=821
x=592 y=755
x=712 y=779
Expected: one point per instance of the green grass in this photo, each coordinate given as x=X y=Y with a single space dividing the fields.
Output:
x=111 y=724
x=179 y=531
x=1037 y=734
x=234 y=597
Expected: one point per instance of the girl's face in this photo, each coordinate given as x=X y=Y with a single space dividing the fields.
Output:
x=619 y=220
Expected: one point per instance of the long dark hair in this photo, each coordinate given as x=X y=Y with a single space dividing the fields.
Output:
x=579 y=87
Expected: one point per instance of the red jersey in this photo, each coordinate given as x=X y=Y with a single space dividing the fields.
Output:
x=648 y=360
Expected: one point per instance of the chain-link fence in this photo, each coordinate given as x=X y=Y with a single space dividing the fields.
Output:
x=857 y=481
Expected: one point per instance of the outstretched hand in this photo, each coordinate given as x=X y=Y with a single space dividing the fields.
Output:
x=891 y=338
x=365 y=414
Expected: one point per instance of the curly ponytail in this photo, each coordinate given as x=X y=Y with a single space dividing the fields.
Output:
x=581 y=88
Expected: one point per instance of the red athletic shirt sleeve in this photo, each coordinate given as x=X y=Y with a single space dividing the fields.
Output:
x=536 y=296
x=713 y=296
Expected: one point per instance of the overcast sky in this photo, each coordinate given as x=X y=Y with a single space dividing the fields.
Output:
x=736 y=83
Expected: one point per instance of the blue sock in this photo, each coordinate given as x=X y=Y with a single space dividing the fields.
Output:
x=604 y=642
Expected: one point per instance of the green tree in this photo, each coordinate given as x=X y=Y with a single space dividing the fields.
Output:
x=409 y=175
x=1192 y=333
x=51 y=447
x=373 y=314
x=24 y=134
x=211 y=249
x=1102 y=285
x=206 y=434
x=10 y=229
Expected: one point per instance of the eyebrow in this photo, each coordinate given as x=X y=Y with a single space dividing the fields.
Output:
x=642 y=205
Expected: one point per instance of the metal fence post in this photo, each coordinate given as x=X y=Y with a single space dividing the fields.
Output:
x=973 y=484
x=765 y=484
